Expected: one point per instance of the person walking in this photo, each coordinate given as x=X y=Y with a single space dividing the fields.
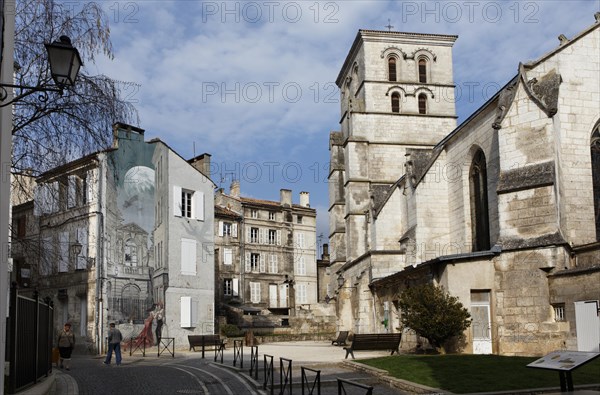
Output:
x=158 y=314
x=66 y=342
x=114 y=344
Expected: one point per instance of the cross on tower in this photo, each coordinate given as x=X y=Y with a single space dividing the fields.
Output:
x=389 y=25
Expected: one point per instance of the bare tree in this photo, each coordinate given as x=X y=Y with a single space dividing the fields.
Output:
x=52 y=129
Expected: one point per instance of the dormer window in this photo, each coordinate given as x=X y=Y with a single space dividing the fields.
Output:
x=392 y=69
x=422 y=104
x=423 y=70
x=396 y=102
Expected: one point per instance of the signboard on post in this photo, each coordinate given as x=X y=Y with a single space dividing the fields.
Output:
x=564 y=362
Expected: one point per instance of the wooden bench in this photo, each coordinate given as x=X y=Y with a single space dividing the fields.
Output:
x=375 y=341
x=205 y=341
x=341 y=339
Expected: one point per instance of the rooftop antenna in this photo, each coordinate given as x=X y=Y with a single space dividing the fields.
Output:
x=389 y=25
x=194 y=149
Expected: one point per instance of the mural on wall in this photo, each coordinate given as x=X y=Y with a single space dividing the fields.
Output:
x=130 y=224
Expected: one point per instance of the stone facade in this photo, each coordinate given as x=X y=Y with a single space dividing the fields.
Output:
x=108 y=235
x=265 y=260
x=501 y=211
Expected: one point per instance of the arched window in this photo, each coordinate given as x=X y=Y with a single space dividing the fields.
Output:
x=422 y=104
x=392 y=69
x=480 y=222
x=595 y=147
x=395 y=102
x=423 y=70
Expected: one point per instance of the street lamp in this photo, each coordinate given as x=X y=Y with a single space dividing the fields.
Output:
x=65 y=63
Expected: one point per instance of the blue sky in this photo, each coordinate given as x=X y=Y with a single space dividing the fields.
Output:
x=253 y=82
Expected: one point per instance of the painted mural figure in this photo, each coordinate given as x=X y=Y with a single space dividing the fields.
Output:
x=158 y=314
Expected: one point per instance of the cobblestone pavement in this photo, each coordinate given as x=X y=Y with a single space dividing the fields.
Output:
x=188 y=373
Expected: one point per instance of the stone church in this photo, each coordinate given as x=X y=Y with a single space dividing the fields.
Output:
x=503 y=210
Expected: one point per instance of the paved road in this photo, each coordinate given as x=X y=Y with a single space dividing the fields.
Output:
x=188 y=373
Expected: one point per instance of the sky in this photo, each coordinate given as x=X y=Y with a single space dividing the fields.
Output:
x=253 y=82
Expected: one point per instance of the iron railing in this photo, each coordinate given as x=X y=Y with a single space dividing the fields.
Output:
x=316 y=382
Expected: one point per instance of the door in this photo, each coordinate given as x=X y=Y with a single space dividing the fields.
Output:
x=481 y=325
x=587 y=324
x=272 y=295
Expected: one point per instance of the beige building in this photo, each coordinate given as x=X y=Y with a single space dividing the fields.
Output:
x=265 y=258
x=502 y=211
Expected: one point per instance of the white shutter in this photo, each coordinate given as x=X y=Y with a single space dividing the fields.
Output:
x=177 y=201
x=261 y=235
x=276 y=264
x=235 y=287
x=54 y=188
x=198 y=206
x=248 y=268
x=91 y=184
x=234 y=230
x=186 y=312
x=82 y=237
x=262 y=263
x=221 y=228
x=227 y=256
x=188 y=257
x=278 y=237
x=63 y=248
x=72 y=191
x=248 y=234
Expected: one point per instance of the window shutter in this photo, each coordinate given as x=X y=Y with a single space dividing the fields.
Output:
x=198 y=206
x=221 y=228
x=261 y=236
x=82 y=237
x=235 y=287
x=72 y=191
x=248 y=234
x=186 y=312
x=63 y=245
x=188 y=257
x=248 y=268
x=91 y=183
x=177 y=201
x=227 y=256
x=45 y=268
x=234 y=230
x=262 y=263
x=54 y=207
x=278 y=237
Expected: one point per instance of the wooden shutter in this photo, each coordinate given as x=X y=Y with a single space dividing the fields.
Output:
x=234 y=230
x=177 y=201
x=198 y=206
x=262 y=267
x=221 y=228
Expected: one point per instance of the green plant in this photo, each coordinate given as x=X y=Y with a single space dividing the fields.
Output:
x=231 y=330
x=433 y=314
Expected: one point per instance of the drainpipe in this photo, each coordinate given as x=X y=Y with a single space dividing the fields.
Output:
x=99 y=316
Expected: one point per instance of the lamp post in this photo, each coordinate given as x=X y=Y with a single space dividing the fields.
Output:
x=65 y=63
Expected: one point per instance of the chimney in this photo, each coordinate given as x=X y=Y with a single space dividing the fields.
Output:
x=123 y=131
x=305 y=199
x=234 y=189
x=202 y=164
x=285 y=197
x=325 y=255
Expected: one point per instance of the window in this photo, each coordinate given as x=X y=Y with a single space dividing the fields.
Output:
x=226 y=228
x=254 y=262
x=186 y=204
x=21 y=225
x=479 y=203
x=272 y=236
x=273 y=263
x=595 y=147
x=299 y=219
x=392 y=69
x=255 y=292
x=253 y=235
x=227 y=256
x=227 y=287
x=188 y=257
x=395 y=102
x=559 y=312
x=300 y=240
x=423 y=70
x=130 y=253
x=301 y=266
x=254 y=213
x=422 y=104
x=271 y=216
x=301 y=295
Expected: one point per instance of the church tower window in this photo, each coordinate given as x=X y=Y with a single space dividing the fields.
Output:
x=422 y=104
x=392 y=69
x=423 y=70
x=480 y=223
x=395 y=102
x=595 y=148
